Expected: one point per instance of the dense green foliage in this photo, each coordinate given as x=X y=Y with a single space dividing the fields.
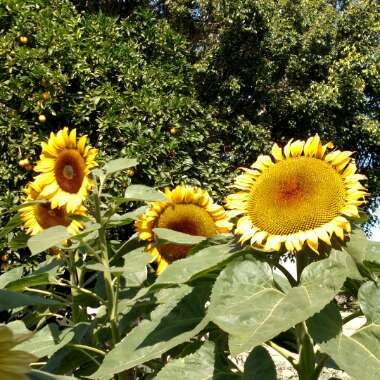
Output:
x=126 y=83
x=293 y=68
x=228 y=76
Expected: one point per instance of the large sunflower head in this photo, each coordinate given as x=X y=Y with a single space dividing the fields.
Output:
x=40 y=216
x=299 y=195
x=65 y=165
x=189 y=210
x=14 y=364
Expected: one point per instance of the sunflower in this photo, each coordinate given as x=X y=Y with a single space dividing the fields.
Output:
x=302 y=194
x=14 y=364
x=65 y=166
x=189 y=210
x=40 y=216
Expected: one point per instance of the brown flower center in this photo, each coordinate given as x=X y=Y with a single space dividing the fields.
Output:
x=189 y=219
x=70 y=170
x=48 y=217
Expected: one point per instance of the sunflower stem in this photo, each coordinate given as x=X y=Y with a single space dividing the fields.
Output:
x=289 y=356
x=111 y=294
x=306 y=365
x=74 y=285
x=302 y=260
x=286 y=273
x=352 y=316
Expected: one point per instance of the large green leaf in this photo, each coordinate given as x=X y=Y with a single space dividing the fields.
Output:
x=165 y=234
x=47 y=239
x=259 y=365
x=209 y=258
x=119 y=164
x=46 y=274
x=246 y=303
x=40 y=375
x=118 y=220
x=369 y=300
x=67 y=359
x=10 y=276
x=364 y=251
x=30 y=281
x=90 y=229
x=134 y=269
x=177 y=320
x=143 y=193
x=10 y=300
x=47 y=341
x=200 y=365
x=358 y=354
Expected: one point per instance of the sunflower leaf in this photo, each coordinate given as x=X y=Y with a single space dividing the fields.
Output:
x=11 y=300
x=259 y=366
x=165 y=234
x=246 y=303
x=209 y=258
x=358 y=354
x=143 y=193
x=173 y=322
x=368 y=296
x=119 y=164
x=202 y=364
x=364 y=252
x=40 y=375
x=32 y=280
x=48 y=239
x=47 y=341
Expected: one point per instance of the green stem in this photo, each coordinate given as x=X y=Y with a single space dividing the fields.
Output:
x=107 y=274
x=91 y=250
x=289 y=356
x=74 y=285
x=112 y=300
x=83 y=290
x=302 y=260
x=46 y=293
x=88 y=348
x=321 y=364
x=352 y=316
x=286 y=273
x=307 y=358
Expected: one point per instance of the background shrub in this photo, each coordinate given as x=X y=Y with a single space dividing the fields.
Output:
x=192 y=89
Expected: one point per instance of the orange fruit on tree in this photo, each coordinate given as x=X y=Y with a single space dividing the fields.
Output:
x=24 y=40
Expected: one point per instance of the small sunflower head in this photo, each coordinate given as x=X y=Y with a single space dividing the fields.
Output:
x=14 y=364
x=65 y=165
x=302 y=193
x=189 y=210
x=40 y=216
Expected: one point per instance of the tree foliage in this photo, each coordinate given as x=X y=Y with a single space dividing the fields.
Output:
x=192 y=89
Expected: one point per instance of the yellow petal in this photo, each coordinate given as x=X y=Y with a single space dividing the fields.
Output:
x=273 y=243
x=323 y=235
x=73 y=138
x=296 y=148
x=259 y=237
x=312 y=240
x=262 y=162
x=287 y=148
x=276 y=152
x=161 y=266
x=311 y=146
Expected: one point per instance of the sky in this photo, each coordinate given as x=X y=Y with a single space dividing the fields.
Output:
x=376 y=233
